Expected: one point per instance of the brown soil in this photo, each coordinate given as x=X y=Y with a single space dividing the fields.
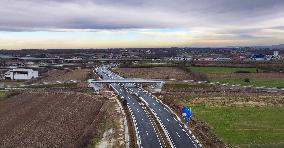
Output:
x=243 y=99
x=245 y=75
x=205 y=134
x=65 y=75
x=38 y=118
x=277 y=64
x=229 y=98
x=154 y=73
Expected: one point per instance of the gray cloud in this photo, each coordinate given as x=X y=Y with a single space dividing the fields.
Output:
x=240 y=15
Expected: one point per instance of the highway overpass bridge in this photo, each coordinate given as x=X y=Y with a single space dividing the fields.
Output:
x=97 y=84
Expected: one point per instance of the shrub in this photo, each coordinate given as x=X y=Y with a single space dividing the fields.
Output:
x=247 y=80
x=242 y=71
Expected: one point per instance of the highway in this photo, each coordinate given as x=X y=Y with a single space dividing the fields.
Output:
x=146 y=134
x=179 y=136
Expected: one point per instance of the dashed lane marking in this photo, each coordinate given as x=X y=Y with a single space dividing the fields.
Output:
x=178 y=134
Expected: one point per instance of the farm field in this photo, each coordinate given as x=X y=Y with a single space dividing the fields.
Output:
x=221 y=69
x=245 y=75
x=3 y=94
x=64 y=75
x=237 y=119
x=267 y=82
x=185 y=85
x=154 y=73
x=58 y=118
x=238 y=75
x=245 y=126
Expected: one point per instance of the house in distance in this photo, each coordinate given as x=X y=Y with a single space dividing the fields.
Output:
x=21 y=74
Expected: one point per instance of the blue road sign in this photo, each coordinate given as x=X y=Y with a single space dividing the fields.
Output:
x=186 y=112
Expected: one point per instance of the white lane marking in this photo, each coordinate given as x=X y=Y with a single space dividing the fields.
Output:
x=176 y=119
x=178 y=134
x=168 y=120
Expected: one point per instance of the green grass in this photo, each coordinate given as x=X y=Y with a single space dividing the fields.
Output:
x=245 y=126
x=3 y=94
x=268 y=82
x=221 y=69
x=185 y=85
x=12 y=83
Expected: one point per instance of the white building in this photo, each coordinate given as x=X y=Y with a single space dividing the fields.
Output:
x=21 y=74
x=275 y=53
x=180 y=59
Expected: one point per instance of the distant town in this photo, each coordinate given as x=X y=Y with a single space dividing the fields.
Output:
x=27 y=57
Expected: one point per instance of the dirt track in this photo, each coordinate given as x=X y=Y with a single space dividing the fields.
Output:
x=245 y=75
x=53 y=119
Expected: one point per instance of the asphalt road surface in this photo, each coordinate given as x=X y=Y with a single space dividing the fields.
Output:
x=145 y=131
x=178 y=135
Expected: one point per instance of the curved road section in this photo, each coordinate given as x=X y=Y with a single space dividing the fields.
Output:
x=145 y=132
x=179 y=137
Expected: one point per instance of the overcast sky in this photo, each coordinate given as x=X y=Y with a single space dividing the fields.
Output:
x=139 y=23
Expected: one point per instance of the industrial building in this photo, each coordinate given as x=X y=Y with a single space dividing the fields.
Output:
x=258 y=57
x=21 y=74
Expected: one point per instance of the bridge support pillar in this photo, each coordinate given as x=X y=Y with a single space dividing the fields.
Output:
x=139 y=85
x=96 y=86
x=157 y=87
